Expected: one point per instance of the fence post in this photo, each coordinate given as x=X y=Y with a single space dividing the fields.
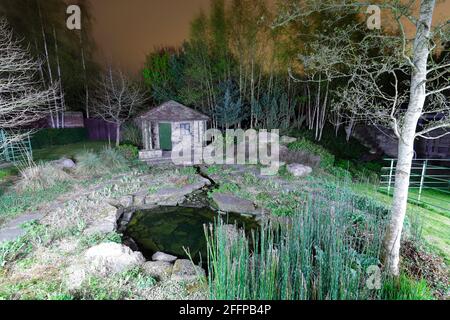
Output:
x=390 y=176
x=424 y=168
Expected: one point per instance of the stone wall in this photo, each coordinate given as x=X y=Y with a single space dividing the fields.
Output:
x=197 y=132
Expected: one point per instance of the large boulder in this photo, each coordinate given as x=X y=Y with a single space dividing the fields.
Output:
x=64 y=163
x=186 y=270
x=229 y=203
x=160 y=270
x=110 y=257
x=161 y=256
x=298 y=170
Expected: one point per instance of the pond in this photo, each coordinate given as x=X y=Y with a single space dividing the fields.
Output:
x=171 y=229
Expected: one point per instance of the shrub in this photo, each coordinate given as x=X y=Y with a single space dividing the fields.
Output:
x=129 y=151
x=363 y=172
x=89 y=163
x=326 y=158
x=131 y=134
x=40 y=177
x=113 y=159
x=52 y=136
x=337 y=145
x=300 y=156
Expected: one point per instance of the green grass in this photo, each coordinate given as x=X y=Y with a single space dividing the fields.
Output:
x=435 y=224
x=7 y=172
x=432 y=199
x=405 y=288
x=68 y=150
x=55 y=153
x=13 y=204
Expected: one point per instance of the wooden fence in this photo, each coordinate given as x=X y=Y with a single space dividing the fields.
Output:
x=99 y=129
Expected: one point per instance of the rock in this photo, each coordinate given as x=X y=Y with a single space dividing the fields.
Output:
x=64 y=163
x=13 y=229
x=298 y=170
x=173 y=196
x=283 y=149
x=229 y=203
x=185 y=270
x=75 y=276
x=287 y=139
x=160 y=270
x=161 y=256
x=114 y=202
x=106 y=220
x=126 y=201
x=111 y=257
x=139 y=198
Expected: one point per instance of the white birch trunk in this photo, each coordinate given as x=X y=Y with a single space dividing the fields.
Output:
x=391 y=254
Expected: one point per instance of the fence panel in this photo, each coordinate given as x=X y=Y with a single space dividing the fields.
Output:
x=17 y=151
x=99 y=129
x=429 y=183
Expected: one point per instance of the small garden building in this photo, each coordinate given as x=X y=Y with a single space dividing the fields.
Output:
x=163 y=128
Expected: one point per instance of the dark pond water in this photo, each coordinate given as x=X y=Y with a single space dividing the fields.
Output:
x=169 y=229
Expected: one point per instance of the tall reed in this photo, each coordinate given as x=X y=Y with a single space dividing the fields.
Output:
x=321 y=252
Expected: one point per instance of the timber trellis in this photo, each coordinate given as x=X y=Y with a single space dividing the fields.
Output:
x=15 y=152
x=429 y=183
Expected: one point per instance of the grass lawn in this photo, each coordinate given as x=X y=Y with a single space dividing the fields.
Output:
x=8 y=174
x=434 y=199
x=68 y=150
x=435 y=223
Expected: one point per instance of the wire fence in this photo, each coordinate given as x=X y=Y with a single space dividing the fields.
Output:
x=15 y=152
x=429 y=183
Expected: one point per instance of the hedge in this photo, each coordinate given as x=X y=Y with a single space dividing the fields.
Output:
x=51 y=137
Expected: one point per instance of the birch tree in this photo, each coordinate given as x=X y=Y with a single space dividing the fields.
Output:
x=23 y=99
x=117 y=99
x=391 y=80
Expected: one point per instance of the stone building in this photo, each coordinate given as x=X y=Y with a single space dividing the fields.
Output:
x=165 y=126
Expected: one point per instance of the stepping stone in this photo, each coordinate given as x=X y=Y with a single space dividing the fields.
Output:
x=13 y=229
x=229 y=203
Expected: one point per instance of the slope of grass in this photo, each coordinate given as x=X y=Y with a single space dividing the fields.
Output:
x=435 y=224
x=434 y=216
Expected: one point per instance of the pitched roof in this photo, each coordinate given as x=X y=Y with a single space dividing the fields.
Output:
x=173 y=111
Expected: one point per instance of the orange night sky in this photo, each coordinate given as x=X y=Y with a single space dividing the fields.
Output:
x=126 y=30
